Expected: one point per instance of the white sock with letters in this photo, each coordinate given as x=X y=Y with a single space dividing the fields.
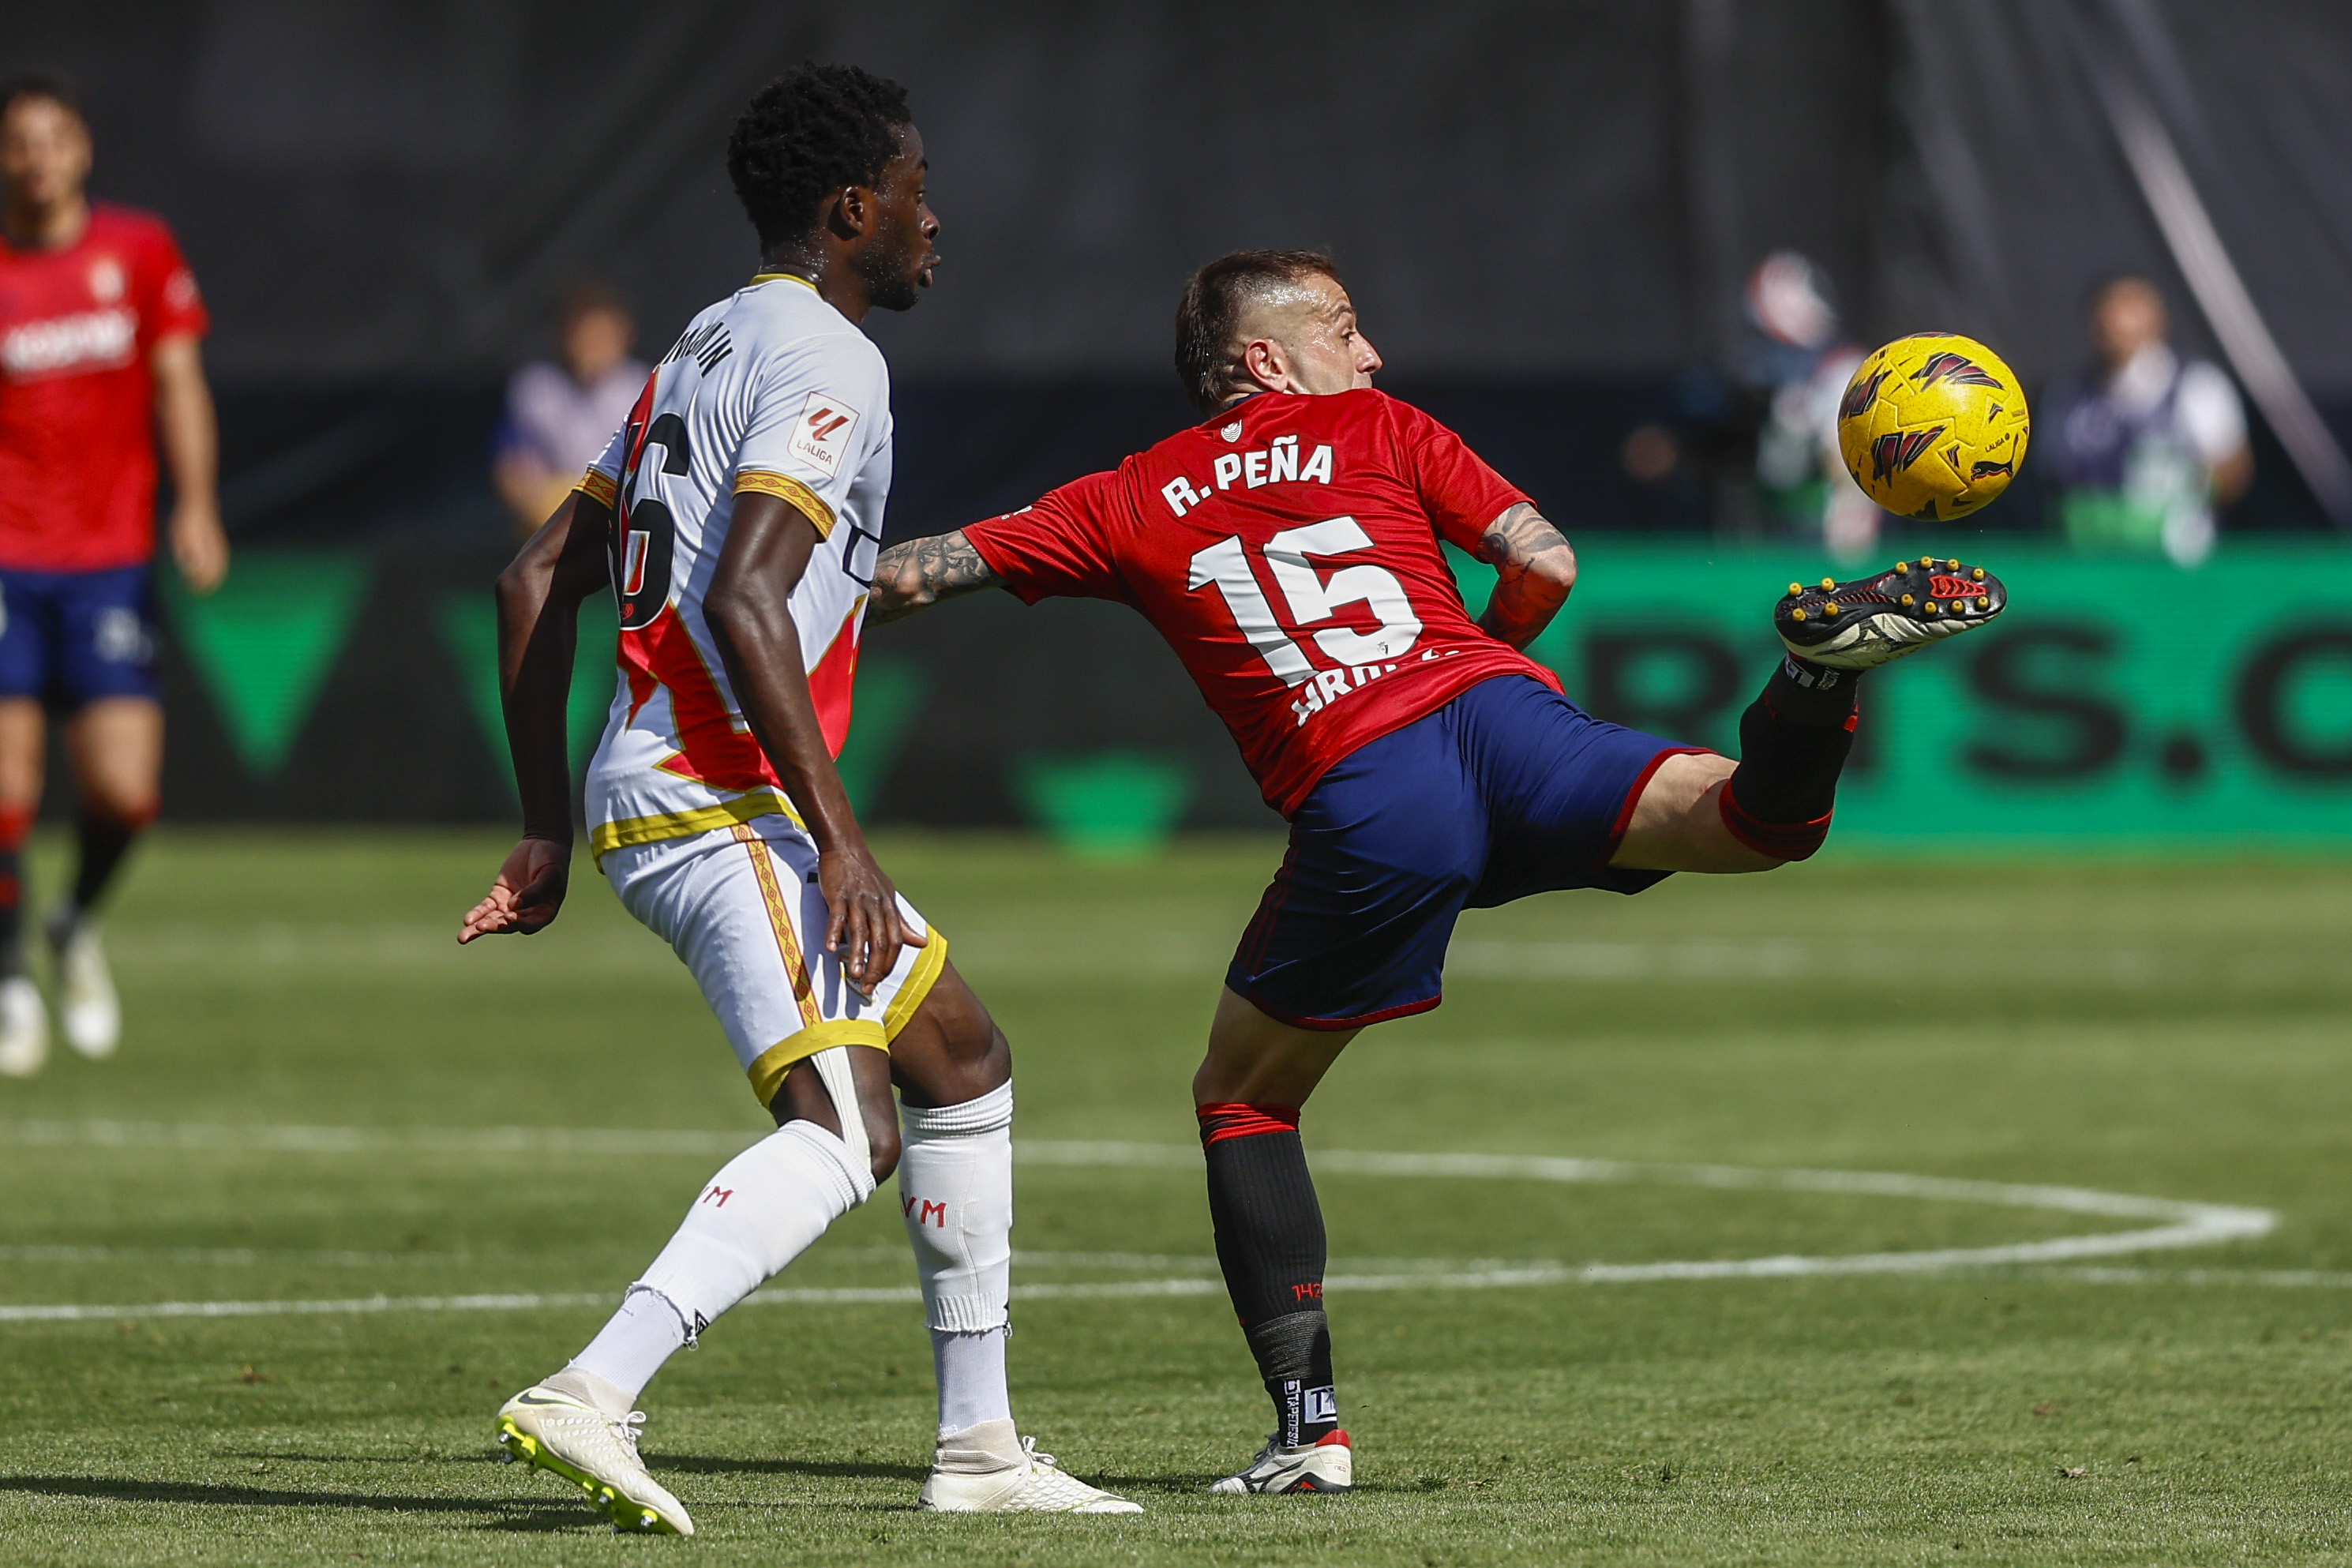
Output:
x=763 y=1209
x=955 y=1190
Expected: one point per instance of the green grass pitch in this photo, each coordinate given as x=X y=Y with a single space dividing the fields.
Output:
x=2181 y=1031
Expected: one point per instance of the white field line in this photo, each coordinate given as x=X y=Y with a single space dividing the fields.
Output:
x=2182 y=1223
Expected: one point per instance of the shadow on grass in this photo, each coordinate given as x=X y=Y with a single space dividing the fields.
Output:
x=516 y=1514
x=710 y=1464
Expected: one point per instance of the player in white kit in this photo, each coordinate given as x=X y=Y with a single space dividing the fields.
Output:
x=736 y=518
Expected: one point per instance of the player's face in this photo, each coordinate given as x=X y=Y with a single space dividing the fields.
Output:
x=44 y=153
x=1327 y=352
x=596 y=340
x=899 y=255
x=2128 y=317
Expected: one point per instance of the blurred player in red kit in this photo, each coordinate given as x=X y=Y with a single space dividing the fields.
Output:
x=99 y=321
x=1288 y=547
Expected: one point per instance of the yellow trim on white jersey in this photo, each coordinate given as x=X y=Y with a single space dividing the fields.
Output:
x=596 y=486
x=611 y=835
x=760 y=277
x=785 y=487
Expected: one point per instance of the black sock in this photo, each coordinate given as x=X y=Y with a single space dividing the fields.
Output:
x=104 y=841
x=1793 y=741
x=12 y=827
x=1271 y=1246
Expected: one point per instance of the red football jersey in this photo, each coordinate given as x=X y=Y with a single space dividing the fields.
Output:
x=76 y=397
x=1287 y=549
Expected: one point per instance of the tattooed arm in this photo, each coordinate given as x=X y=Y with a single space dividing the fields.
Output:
x=922 y=571
x=1534 y=570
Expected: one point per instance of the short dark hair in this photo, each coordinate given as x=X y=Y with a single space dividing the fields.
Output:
x=810 y=131
x=1211 y=312
x=51 y=85
x=2107 y=283
x=584 y=295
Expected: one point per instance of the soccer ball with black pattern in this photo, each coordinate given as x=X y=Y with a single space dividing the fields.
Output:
x=1877 y=619
x=1933 y=426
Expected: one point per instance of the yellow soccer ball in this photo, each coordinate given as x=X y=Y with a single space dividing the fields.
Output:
x=1933 y=426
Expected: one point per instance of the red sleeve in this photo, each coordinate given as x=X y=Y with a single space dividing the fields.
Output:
x=169 y=305
x=1063 y=545
x=1459 y=492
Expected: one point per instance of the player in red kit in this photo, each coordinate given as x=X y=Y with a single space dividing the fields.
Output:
x=99 y=321
x=1288 y=547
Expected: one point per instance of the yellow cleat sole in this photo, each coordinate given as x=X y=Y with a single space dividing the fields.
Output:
x=523 y=1448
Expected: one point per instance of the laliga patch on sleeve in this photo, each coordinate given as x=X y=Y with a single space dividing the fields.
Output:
x=822 y=437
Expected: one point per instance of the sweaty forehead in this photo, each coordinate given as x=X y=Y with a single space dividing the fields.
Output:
x=1287 y=304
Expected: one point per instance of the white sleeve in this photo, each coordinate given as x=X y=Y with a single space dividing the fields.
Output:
x=817 y=413
x=603 y=480
x=2209 y=413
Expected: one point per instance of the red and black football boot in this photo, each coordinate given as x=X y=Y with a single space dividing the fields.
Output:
x=1874 y=620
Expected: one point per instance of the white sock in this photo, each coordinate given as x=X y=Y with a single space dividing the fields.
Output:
x=955 y=1191
x=759 y=1212
x=970 y=1369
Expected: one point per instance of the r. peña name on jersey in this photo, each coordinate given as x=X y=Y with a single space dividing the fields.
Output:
x=1277 y=464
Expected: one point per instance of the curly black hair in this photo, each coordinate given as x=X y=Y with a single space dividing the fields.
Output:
x=806 y=134
x=1211 y=313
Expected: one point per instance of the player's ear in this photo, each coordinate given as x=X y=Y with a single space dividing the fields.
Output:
x=849 y=212
x=1264 y=361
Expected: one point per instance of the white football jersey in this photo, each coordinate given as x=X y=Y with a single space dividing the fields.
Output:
x=771 y=390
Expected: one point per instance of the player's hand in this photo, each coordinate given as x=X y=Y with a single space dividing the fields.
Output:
x=527 y=894
x=199 y=545
x=863 y=926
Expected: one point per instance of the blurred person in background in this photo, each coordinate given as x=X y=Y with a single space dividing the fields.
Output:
x=99 y=323
x=2145 y=444
x=558 y=416
x=1800 y=362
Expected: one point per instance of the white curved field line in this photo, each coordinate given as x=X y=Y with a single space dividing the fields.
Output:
x=2180 y=1224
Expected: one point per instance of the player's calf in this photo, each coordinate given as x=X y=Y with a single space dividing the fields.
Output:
x=1271 y=1249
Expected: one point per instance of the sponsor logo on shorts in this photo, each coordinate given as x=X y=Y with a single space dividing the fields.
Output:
x=121 y=636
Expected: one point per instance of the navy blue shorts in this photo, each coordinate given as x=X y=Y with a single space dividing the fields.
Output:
x=70 y=637
x=1509 y=789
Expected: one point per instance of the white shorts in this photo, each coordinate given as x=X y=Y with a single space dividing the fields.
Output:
x=740 y=905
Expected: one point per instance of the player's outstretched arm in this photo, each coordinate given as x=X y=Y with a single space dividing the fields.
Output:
x=539 y=599
x=919 y=573
x=1534 y=570
x=749 y=609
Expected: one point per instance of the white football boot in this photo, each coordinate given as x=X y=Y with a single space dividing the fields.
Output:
x=1877 y=619
x=87 y=1008
x=1327 y=1465
x=24 y=1028
x=989 y=1468
x=550 y=1430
